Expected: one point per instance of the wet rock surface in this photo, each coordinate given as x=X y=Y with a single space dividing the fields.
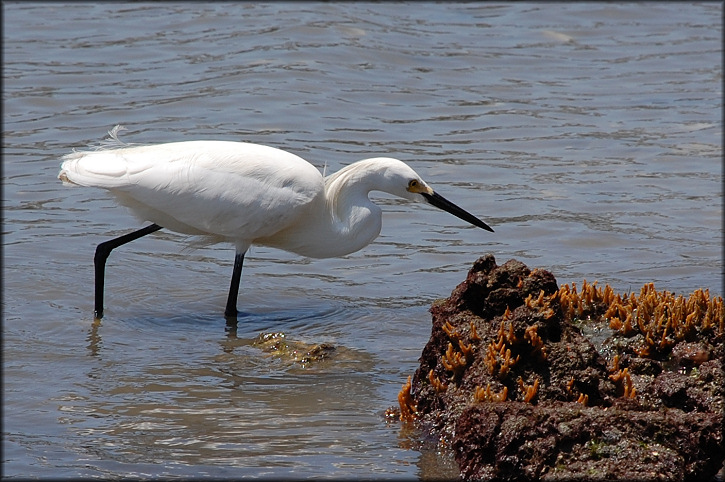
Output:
x=509 y=380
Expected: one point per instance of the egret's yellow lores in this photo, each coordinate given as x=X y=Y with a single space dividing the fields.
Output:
x=246 y=194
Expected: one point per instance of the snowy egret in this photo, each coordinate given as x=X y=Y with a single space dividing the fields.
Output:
x=245 y=194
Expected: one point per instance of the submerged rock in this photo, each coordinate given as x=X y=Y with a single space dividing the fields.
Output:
x=304 y=354
x=511 y=383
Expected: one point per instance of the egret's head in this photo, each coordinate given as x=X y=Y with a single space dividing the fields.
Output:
x=404 y=182
x=418 y=187
x=400 y=174
x=394 y=177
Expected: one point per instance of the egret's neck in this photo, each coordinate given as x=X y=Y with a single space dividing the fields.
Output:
x=355 y=221
x=342 y=220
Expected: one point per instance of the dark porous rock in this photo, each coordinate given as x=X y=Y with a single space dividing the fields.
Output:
x=511 y=383
x=559 y=441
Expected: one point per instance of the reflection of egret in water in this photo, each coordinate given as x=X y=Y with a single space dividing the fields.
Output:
x=95 y=342
x=246 y=194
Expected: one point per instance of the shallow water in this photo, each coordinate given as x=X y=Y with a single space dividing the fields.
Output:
x=589 y=136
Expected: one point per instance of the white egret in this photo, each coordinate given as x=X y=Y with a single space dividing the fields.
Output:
x=245 y=194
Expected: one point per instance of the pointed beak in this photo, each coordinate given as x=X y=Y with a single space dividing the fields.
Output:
x=442 y=203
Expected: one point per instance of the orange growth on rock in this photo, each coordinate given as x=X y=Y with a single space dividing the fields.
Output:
x=619 y=375
x=615 y=364
x=570 y=386
x=537 y=344
x=408 y=409
x=507 y=363
x=629 y=390
x=507 y=314
x=474 y=335
x=454 y=361
x=529 y=391
x=498 y=357
x=466 y=350
x=623 y=380
x=662 y=318
x=486 y=395
x=451 y=331
x=436 y=383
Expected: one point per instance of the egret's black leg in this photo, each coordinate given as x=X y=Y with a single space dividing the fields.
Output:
x=99 y=260
x=231 y=309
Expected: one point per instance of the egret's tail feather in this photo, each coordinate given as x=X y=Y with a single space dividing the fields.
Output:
x=101 y=166
x=63 y=176
x=94 y=169
x=112 y=141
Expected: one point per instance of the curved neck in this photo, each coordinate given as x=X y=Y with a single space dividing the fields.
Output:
x=341 y=221
x=355 y=221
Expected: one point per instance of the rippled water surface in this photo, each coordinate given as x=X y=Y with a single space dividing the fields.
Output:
x=589 y=136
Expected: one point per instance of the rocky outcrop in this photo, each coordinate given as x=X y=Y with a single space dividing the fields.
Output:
x=527 y=380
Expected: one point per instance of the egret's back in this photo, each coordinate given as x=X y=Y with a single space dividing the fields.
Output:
x=230 y=190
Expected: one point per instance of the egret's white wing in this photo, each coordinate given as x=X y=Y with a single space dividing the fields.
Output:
x=225 y=189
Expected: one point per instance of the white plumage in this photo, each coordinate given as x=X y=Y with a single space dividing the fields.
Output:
x=229 y=191
x=248 y=194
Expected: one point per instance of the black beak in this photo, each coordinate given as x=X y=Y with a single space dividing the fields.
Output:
x=442 y=203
